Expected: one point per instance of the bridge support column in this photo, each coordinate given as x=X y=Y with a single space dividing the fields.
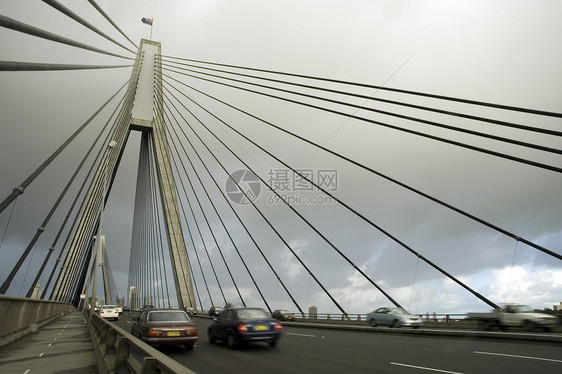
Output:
x=142 y=111
x=147 y=116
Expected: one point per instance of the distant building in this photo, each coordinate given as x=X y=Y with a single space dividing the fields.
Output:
x=557 y=307
x=134 y=298
x=130 y=296
x=312 y=312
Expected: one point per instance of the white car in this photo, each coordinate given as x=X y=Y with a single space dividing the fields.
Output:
x=515 y=315
x=109 y=311
x=393 y=317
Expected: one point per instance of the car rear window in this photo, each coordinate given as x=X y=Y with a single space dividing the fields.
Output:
x=252 y=313
x=168 y=317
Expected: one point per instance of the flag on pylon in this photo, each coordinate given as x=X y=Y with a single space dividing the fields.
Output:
x=148 y=21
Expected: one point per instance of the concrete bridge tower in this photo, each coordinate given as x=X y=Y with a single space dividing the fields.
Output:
x=142 y=111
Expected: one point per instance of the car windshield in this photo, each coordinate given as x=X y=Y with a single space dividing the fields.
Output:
x=523 y=309
x=398 y=311
x=108 y=307
x=171 y=316
x=252 y=314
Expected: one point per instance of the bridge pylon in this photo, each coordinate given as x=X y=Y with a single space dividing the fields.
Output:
x=141 y=111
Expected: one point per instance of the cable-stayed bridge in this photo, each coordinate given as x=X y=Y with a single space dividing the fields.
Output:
x=214 y=182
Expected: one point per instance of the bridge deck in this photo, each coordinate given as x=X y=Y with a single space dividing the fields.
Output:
x=62 y=346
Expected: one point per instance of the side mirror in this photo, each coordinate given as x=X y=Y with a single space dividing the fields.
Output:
x=216 y=319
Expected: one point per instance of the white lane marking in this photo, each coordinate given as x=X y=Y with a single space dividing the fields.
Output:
x=50 y=344
x=27 y=371
x=425 y=368
x=305 y=335
x=42 y=354
x=517 y=356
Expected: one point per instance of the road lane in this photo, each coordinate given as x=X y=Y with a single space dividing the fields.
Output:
x=518 y=356
x=313 y=350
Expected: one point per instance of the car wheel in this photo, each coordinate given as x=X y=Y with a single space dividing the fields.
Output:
x=189 y=347
x=396 y=323
x=211 y=336
x=272 y=343
x=529 y=326
x=230 y=341
x=373 y=322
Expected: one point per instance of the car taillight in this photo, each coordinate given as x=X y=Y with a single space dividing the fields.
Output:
x=242 y=328
x=153 y=333
x=101 y=311
x=278 y=326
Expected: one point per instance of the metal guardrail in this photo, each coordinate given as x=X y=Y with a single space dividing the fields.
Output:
x=117 y=351
x=21 y=316
x=434 y=317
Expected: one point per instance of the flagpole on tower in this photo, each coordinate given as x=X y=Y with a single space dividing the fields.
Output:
x=148 y=21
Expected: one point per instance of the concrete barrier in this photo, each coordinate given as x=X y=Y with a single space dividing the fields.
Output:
x=117 y=351
x=20 y=316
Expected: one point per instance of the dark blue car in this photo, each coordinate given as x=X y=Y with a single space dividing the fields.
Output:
x=241 y=325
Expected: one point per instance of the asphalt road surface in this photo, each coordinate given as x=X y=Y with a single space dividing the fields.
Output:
x=313 y=350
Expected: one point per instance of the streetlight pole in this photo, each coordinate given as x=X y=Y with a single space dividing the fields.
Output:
x=100 y=241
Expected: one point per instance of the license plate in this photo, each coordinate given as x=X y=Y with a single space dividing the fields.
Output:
x=260 y=328
x=173 y=333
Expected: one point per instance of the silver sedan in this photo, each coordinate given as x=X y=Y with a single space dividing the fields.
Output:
x=393 y=317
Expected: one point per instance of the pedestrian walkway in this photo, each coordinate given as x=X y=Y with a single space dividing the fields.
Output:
x=62 y=346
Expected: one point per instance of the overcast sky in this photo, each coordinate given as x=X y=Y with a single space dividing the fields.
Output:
x=505 y=52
